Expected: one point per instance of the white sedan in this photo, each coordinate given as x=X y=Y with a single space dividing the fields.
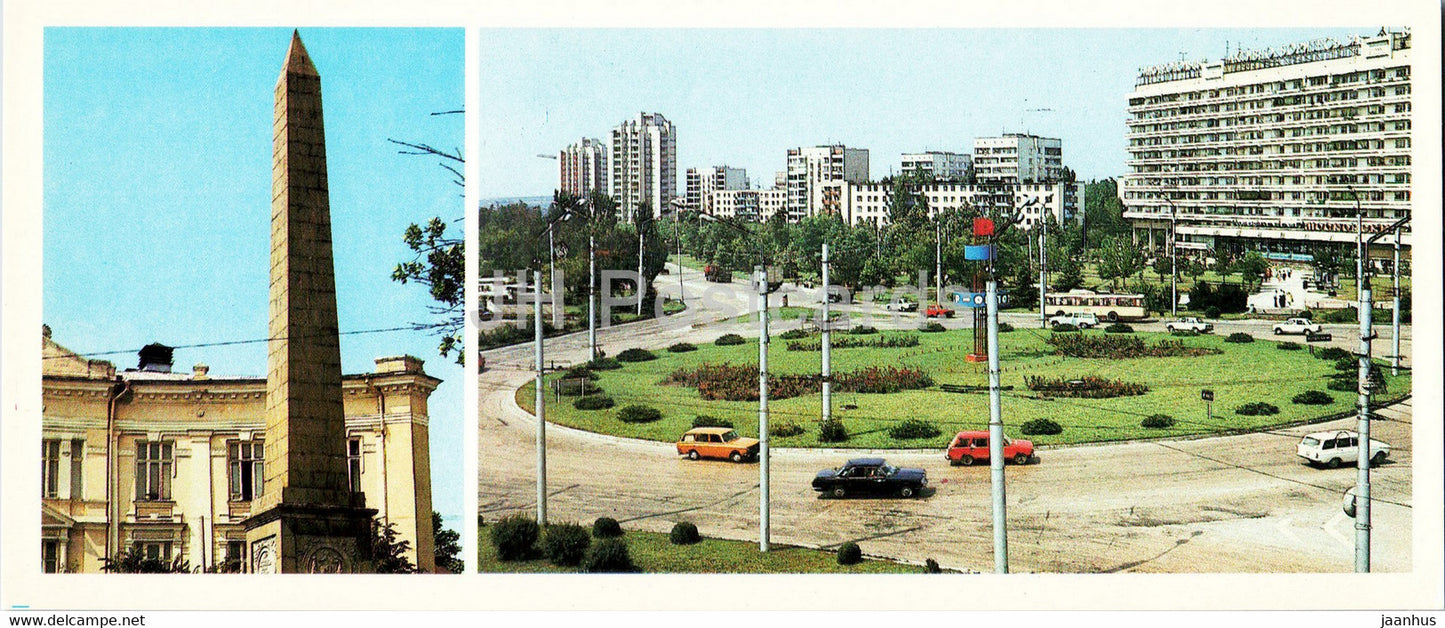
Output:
x=1297 y=326
x=1082 y=321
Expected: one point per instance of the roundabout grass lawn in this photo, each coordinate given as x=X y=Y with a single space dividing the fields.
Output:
x=652 y=552
x=1242 y=373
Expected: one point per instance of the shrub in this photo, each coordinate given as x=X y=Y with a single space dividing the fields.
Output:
x=603 y=363
x=1119 y=328
x=580 y=372
x=849 y=554
x=832 y=431
x=515 y=536
x=704 y=420
x=575 y=387
x=606 y=528
x=684 y=533
x=1239 y=337
x=636 y=355
x=1346 y=365
x=931 y=566
x=1184 y=333
x=1157 y=421
x=1087 y=387
x=637 y=413
x=1313 y=398
x=1332 y=354
x=593 y=402
x=1003 y=328
x=1045 y=427
x=1211 y=311
x=1288 y=346
x=1257 y=408
x=912 y=429
x=863 y=330
x=566 y=544
x=682 y=347
x=608 y=556
x=729 y=339
x=1064 y=327
x=932 y=327
x=794 y=334
x=785 y=429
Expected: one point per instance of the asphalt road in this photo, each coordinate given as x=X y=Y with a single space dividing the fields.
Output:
x=1228 y=504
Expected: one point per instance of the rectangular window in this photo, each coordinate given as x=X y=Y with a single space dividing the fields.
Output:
x=247 y=469
x=353 y=463
x=154 y=464
x=154 y=550
x=77 y=472
x=50 y=468
x=50 y=555
x=235 y=557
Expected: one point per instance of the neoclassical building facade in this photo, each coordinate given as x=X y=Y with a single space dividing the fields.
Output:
x=168 y=463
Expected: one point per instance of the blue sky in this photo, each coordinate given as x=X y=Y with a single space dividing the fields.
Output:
x=157 y=194
x=743 y=97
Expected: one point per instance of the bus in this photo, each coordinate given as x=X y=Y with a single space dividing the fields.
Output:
x=1107 y=306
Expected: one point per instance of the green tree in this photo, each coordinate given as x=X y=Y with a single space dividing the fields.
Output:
x=1251 y=268
x=388 y=552
x=1104 y=212
x=447 y=546
x=437 y=261
x=1118 y=259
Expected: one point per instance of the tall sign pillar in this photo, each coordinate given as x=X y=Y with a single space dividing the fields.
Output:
x=307 y=519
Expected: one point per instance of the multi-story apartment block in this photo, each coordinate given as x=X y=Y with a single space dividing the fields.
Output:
x=939 y=166
x=811 y=167
x=642 y=168
x=749 y=205
x=703 y=182
x=1016 y=158
x=862 y=203
x=582 y=167
x=1273 y=150
x=170 y=464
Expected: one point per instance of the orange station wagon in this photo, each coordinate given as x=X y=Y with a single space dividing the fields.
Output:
x=717 y=442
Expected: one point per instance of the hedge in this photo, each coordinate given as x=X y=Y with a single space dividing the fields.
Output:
x=1044 y=427
x=913 y=429
x=637 y=413
x=566 y=544
x=636 y=355
x=515 y=537
x=593 y=402
x=729 y=339
x=1257 y=408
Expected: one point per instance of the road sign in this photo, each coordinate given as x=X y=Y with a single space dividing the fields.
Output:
x=1206 y=395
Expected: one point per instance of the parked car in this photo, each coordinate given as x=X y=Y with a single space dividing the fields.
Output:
x=1190 y=323
x=1331 y=449
x=936 y=311
x=862 y=476
x=901 y=305
x=1297 y=326
x=717 y=442
x=969 y=447
x=1082 y=321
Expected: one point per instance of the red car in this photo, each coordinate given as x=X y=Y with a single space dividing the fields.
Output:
x=936 y=310
x=970 y=447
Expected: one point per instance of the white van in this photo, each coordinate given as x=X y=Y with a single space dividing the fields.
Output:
x=1332 y=449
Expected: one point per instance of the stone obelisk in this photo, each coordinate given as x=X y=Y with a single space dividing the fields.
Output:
x=307 y=519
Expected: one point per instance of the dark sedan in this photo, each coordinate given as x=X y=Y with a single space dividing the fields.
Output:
x=870 y=476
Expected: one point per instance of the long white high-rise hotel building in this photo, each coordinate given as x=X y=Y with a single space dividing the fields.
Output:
x=1273 y=150
x=642 y=169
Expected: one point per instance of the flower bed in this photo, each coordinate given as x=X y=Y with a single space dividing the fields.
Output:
x=731 y=382
x=1117 y=347
x=892 y=341
x=1086 y=387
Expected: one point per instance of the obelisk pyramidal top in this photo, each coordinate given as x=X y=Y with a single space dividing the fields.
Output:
x=307 y=519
